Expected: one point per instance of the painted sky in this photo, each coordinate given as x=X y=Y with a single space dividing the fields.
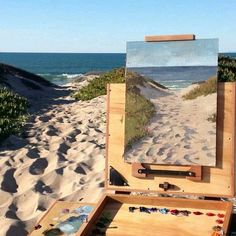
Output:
x=201 y=52
x=106 y=25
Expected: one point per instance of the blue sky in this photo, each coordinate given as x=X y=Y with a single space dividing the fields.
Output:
x=106 y=25
x=201 y=52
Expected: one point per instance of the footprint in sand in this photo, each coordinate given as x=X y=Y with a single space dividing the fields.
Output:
x=11 y=213
x=41 y=208
x=44 y=118
x=38 y=167
x=80 y=170
x=52 y=131
x=33 y=153
x=161 y=151
x=9 y=182
x=61 y=158
x=17 y=228
x=63 y=148
x=60 y=171
x=71 y=137
x=42 y=188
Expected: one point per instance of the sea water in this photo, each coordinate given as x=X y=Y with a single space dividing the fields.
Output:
x=61 y=68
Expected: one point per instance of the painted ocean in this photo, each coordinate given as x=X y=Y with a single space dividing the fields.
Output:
x=177 y=77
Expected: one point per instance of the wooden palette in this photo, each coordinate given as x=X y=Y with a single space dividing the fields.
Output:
x=126 y=223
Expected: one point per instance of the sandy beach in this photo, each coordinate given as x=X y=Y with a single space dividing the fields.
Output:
x=179 y=133
x=60 y=155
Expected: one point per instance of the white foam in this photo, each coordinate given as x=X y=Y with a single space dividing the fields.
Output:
x=70 y=76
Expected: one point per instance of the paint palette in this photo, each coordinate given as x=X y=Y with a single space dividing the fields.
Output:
x=63 y=218
x=204 y=217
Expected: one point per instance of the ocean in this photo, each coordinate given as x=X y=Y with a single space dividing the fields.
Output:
x=61 y=68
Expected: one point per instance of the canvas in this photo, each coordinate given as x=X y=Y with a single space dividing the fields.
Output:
x=171 y=102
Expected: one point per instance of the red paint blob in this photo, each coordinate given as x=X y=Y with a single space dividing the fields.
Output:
x=174 y=212
x=210 y=214
x=221 y=215
x=197 y=213
x=219 y=221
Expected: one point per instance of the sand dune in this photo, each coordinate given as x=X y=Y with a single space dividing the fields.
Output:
x=60 y=155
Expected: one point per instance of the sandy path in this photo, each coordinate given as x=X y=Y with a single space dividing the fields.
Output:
x=61 y=155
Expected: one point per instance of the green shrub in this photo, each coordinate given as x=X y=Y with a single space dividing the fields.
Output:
x=226 y=69
x=13 y=110
x=98 y=86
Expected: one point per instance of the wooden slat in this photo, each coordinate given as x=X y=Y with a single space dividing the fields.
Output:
x=162 y=38
x=216 y=181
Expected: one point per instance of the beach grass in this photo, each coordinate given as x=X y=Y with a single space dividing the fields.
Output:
x=13 y=112
x=204 y=89
x=139 y=110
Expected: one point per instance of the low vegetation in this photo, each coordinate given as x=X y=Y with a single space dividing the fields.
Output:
x=204 y=89
x=13 y=112
x=98 y=86
x=226 y=69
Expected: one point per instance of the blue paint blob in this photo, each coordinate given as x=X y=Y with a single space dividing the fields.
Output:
x=72 y=224
x=84 y=209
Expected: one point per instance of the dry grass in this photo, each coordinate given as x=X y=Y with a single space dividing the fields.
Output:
x=208 y=87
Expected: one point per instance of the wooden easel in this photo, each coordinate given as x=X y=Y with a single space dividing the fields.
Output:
x=215 y=180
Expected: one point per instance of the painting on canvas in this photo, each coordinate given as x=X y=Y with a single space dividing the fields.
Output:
x=171 y=94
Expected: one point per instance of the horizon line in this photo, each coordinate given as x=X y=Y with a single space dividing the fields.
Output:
x=87 y=52
x=70 y=52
